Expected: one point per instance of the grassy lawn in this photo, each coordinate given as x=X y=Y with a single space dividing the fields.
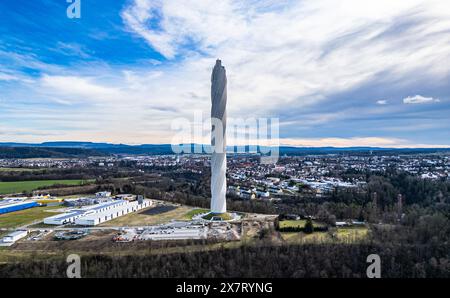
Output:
x=193 y=212
x=352 y=234
x=302 y=238
x=341 y=235
x=223 y=216
x=21 y=186
x=22 y=217
x=140 y=218
x=20 y=169
x=292 y=223
x=298 y=223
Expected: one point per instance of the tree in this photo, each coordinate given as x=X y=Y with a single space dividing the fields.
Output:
x=309 y=227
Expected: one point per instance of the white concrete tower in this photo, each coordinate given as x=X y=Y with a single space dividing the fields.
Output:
x=218 y=139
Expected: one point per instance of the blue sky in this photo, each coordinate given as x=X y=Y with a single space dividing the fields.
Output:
x=353 y=73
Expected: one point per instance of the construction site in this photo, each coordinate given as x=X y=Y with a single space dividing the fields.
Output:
x=116 y=221
x=181 y=231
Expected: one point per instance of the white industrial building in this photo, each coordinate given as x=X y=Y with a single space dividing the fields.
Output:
x=93 y=219
x=14 y=236
x=96 y=214
x=71 y=215
x=64 y=218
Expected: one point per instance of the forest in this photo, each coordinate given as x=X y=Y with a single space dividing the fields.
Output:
x=45 y=152
x=411 y=235
x=261 y=261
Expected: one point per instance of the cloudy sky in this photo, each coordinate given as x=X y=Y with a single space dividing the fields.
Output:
x=335 y=73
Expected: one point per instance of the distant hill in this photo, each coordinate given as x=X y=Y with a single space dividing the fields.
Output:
x=71 y=149
x=45 y=152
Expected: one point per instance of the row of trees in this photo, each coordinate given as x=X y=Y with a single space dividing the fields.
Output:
x=73 y=173
x=260 y=261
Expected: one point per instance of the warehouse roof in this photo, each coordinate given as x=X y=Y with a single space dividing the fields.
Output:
x=11 y=204
x=94 y=216
x=16 y=233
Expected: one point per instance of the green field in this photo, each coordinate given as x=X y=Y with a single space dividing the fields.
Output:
x=21 y=186
x=223 y=216
x=352 y=234
x=299 y=223
x=341 y=235
x=22 y=217
x=193 y=212
x=21 y=169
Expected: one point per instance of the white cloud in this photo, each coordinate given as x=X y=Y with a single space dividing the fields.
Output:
x=7 y=77
x=138 y=16
x=78 y=87
x=14 y=77
x=284 y=54
x=72 y=49
x=294 y=53
x=418 y=99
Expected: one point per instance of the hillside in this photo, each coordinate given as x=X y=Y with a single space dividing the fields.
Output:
x=45 y=152
x=78 y=149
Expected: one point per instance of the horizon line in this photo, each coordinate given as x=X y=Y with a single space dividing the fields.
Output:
x=421 y=146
